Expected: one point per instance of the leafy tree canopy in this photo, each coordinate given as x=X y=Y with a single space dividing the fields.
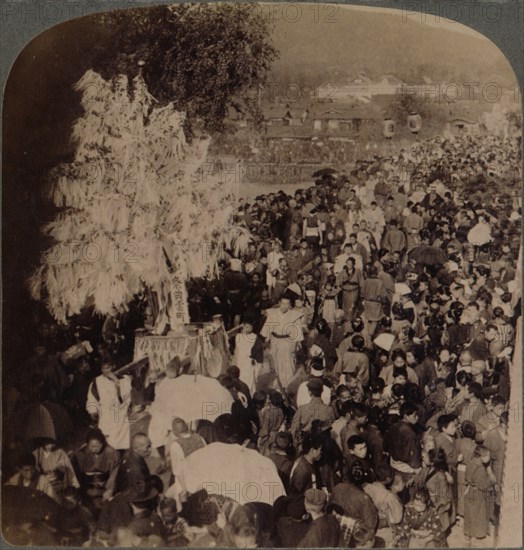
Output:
x=203 y=58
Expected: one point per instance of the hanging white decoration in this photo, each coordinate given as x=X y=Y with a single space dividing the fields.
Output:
x=136 y=192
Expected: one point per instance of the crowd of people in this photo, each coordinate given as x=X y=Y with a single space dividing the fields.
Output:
x=372 y=321
x=292 y=151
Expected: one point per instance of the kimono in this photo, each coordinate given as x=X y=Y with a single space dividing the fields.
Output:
x=281 y=283
x=57 y=472
x=366 y=239
x=329 y=303
x=177 y=533
x=357 y=505
x=161 y=415
x=312 y=229
x=497 y=446
x=335 y=236
x=449 y=446
x=387 y=503
x=427 y=521
x=376 y=222
x=271 y=420
x=412 y=225
x=303 y=476
x=466 y=447
x=273 y=258
x=472 y=411
x=112 y=409
x=440 y=493
x=18 y=481
x=394 y=240
x=323 y=532
x=374 y=294
x=97 y=472
x=354 y=362
x=478 y=499
x=284 y=331
x=249 y=367
x=350 y=284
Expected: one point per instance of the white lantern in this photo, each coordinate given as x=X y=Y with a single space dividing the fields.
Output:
x=414 y=122
x=388 y=128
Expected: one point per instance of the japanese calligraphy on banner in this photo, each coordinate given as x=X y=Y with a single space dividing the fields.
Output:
x=178 y=311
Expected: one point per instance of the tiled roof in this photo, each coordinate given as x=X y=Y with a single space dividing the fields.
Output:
x=345 y=113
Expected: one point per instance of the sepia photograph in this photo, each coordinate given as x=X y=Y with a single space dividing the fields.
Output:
x=261 y=278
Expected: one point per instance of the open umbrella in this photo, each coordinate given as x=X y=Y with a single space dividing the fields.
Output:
x=323 y=172
x=234 y=471
x=480 y=234
x=42 y=419
x=401 y=289
x=199 y=397
x=428 y=255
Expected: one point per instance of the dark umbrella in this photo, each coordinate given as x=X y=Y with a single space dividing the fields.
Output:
x=21 y=504
x=323 y=172
x=428 y=255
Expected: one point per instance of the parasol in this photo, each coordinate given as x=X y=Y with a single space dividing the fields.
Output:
x=43 y=419
x=199 y=397
x=402 y=289
x=428 y=255
x=480 y=234
x=235 y=471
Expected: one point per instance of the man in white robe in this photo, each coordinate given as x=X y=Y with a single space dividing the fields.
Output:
x=162 y=412
x=273 y=259
x=341 y=259
x=108 y=402
x=303 y=394
x=249 y=368
x=375 y=219
x=283 y=331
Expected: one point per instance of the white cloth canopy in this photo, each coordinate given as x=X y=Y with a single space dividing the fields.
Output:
x=197 y=397
x=234 y=471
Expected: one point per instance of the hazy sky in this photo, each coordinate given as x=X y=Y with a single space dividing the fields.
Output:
x=441 y=21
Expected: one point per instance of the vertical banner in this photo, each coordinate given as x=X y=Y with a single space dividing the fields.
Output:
x=178 y=308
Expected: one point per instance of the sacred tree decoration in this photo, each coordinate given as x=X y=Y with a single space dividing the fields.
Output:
x=138 y=210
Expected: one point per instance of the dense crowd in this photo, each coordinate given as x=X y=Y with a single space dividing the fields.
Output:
x=292 y=151
x=372 y=320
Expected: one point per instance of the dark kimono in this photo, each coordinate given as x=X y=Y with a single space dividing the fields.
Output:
x=478 y=500
x=324 y=532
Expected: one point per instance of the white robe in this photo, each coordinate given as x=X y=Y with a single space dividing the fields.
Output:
x=248 y=371
x=113 y=419
x=303 y=397
x=273 y=258
x=376 y=222
x=282 y=350
x=161 y=412
x=340 y=262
